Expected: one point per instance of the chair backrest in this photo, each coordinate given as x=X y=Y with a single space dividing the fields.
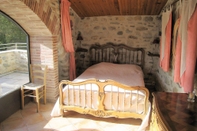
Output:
x=38 y=73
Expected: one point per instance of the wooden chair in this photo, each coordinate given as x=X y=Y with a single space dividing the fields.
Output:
x=37 y=87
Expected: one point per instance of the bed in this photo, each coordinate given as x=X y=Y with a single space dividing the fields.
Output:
x=113 y=86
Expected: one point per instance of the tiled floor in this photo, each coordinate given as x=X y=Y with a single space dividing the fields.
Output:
x=28 y=120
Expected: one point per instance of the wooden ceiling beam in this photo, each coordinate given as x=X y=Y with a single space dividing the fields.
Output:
x=117 y=6
x=89 y=8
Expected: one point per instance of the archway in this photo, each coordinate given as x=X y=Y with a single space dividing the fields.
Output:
x=39 y=18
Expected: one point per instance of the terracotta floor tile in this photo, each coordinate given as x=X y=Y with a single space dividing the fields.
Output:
x=20 y=129
x=30 y=105
x=41 y=126
x=47 y=107
x=28 y=112
x=46 y=115
x=59 y=122
x=117 y=127
x=33 y=119
x=88 y=125
x=68 y=128
x=14 y=117
x=29 y=120
x=48 y=127
x=15 y=124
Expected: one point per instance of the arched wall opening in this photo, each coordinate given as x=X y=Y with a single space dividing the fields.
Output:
x=40 y=19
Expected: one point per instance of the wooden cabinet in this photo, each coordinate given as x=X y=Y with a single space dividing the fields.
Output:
x=157 y=123
x=172 y=112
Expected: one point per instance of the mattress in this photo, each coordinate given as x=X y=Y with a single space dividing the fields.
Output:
x=128 y=74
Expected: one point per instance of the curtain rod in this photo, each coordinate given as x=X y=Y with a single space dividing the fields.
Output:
x=170 y=4
x=168 y=7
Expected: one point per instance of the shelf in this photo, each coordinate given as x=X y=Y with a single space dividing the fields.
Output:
x=152 y=54
x=81 y=50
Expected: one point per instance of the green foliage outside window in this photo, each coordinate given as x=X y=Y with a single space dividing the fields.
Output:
x=10 y=33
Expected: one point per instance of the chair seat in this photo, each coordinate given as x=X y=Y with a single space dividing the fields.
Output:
x=32 y=86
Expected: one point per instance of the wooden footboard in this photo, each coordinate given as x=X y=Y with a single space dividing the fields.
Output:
x=104 y=99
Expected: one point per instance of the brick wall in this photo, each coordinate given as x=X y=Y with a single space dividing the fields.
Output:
x=40 y=19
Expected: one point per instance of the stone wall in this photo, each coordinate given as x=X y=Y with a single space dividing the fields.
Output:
x=134 y=31
x=13 y=60
x=21 y=61
x=7 y=62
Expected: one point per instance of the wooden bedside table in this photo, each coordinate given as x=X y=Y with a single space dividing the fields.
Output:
x=172 y=112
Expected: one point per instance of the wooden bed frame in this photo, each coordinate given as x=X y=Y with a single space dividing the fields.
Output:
x=101 y=111
x=109 y=53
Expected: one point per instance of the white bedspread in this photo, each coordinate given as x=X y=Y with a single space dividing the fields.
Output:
x=127 y=74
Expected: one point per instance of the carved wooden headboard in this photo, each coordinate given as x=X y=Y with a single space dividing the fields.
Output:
x=113 y=53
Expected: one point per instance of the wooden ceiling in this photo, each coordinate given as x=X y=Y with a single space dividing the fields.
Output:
x=89 y=8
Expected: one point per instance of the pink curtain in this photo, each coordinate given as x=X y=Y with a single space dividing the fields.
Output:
x=177 y=60
x=165 y=61
x=67 y=36
x=187 y=79
x=177 y=47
